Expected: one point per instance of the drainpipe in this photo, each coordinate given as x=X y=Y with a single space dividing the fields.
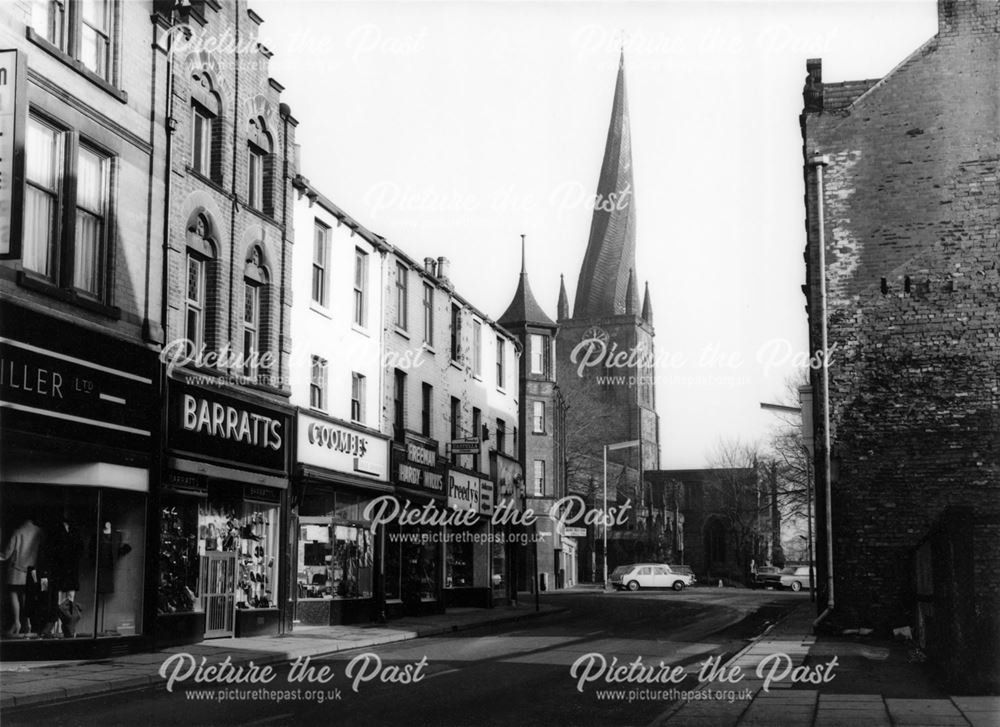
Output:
x=817 y=163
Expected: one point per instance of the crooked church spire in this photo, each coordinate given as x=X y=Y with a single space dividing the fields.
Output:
x=603 y=285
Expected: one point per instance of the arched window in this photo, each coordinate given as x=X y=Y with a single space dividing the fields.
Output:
x=260 y=167
x=255 y=314
x=199 y=282
x=206 y=127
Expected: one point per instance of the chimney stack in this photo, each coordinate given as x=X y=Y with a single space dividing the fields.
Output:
x=429 y=266
x=442 y=268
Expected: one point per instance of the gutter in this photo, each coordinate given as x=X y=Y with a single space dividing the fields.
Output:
x=817 y=163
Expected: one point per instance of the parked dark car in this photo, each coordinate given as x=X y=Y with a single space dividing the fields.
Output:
x=767 y=576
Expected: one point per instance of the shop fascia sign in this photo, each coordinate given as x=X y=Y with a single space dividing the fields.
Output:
x=466 y=445
x=416 y=469
x=468 y=492
x=206 y=423
x=341 y=448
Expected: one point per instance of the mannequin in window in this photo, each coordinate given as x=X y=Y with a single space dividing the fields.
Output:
x=21 y=553
x=66 y=546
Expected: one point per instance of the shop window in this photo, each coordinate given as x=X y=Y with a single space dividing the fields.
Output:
x=460 y=563
x=336 y=549
x=74 y=562
x=178 y=556
x=238 y=546
x=411 y=565
x=67 y=250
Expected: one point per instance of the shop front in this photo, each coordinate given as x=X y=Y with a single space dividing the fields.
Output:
x=220 y=512
x=413 y=551
x=469 y=548
x=510 y=544
x=78 y=417
x=340 y=470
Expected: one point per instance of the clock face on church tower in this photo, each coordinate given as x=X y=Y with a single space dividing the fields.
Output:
x=595 y=333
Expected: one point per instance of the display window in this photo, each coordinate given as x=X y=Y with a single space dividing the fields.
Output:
x=498 y=553
x=72 y=561
x=411 y=563
x=177 y=591
x=336 y=547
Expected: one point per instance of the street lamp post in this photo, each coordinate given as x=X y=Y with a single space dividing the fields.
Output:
x=612 y=448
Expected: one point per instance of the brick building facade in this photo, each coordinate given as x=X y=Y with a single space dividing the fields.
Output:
x=223 y=556
x=902 y=188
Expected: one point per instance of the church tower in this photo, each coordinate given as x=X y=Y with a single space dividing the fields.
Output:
x=604 y=359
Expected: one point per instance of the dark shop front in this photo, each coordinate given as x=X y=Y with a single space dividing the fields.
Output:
x=221 y=507
x=78 y=413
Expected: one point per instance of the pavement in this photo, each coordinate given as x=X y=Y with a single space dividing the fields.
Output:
x=35 y=683
x=789 y=677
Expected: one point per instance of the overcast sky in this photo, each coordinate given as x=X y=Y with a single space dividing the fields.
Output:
x=451 y=128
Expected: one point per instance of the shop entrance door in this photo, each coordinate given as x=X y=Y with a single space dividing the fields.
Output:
x=218 y=588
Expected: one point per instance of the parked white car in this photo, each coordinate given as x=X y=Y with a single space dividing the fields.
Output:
x=649 y=575
x=797 y=577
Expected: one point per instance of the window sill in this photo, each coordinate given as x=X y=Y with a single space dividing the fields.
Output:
x=428 y=348
x=320 y=309
x=456 y=364
x=358 y=329
x=214 y=183
x=68 y=295
x=76 y=65
x=402 y=332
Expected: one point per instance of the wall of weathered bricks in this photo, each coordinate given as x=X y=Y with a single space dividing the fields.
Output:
x=912 y=241
x=224 y=48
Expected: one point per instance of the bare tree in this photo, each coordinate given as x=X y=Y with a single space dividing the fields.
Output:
x=737 y=495
x=787 y=450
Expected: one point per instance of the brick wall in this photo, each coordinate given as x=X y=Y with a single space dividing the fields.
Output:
x=912 y=193
x=247 y=100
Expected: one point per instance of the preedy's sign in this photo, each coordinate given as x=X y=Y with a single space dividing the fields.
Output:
x=208 y=423
x=468 y=492
x=337 y=447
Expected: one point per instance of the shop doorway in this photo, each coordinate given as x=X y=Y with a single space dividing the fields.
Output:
x=219 y=592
